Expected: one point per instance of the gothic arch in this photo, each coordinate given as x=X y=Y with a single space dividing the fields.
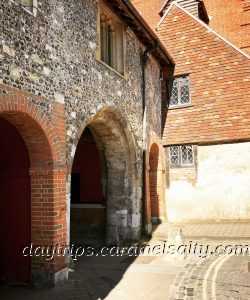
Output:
x=123 y=179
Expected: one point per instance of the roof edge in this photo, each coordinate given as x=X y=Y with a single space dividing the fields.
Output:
x=204 y=25
x=149 y=34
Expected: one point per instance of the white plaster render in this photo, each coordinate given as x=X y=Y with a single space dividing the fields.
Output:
x=222 y=191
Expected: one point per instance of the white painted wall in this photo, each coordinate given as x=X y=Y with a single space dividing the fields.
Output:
x=222 y=190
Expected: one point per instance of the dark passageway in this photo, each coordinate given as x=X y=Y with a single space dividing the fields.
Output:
x=88 y=194
x=15 y=212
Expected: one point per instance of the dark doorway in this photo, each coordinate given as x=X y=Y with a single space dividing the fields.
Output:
x=15 y=200
x=153 y=180
x=88 y=199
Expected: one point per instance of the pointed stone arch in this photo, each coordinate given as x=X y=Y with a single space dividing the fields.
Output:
x=123 y=176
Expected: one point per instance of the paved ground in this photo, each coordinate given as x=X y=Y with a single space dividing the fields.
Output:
x=110 y=278
x=162 y=277
x=219 y=230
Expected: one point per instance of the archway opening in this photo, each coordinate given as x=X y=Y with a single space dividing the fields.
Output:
x=88 y=191
x=15 y=212
x=119 y=181
x=153 y=184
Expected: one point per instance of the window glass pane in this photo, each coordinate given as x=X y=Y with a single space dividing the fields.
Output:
x=190 y=155
x=187 y=155
x=174 y=155
x=174 y=94
x=184 y=89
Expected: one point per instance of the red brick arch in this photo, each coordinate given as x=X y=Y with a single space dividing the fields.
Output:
x=155 y=183
x=45 y=141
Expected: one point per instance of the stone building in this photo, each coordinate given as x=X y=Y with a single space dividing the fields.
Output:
x=103 y=133
x=207 y=107
x=80 y=105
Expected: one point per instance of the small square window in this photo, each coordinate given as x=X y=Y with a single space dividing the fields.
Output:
x=112 y=42
x=181 y=155
x=179 y=91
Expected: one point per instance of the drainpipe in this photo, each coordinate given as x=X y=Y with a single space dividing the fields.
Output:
x=144 y=58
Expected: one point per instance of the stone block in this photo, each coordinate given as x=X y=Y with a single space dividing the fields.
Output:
x=59 y=98
x=15 y=72
x=5 y=50
x=47 y=278
x=36 y=59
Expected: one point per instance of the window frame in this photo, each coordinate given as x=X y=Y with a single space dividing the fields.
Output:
x=170 y=88
x=33 y=7
x=180 y=159
x=102 y=8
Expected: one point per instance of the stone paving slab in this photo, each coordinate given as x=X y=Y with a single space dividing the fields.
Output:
x=209 y=231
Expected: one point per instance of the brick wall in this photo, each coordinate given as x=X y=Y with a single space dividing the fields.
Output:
x=231 y=19
x=87 y=223
x=41 y=124
x=219 y=84
x=218 y=114
x=155 y=183
x=183 y=174
x=150 y=10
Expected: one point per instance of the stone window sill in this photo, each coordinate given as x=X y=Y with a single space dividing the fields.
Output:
x=182 y=166
x=180 y=106
x=125 y=76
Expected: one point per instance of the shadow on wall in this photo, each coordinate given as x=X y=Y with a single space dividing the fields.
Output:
x=98 y=170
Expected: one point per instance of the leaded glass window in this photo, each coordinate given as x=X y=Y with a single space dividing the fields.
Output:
x=179 y=91
x=187 y=155
x=181 y=155
x=174 y=94
x=174 y=155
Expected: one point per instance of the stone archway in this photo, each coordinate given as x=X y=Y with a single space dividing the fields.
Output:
x=88 y=191
x=123 y=180
x=47 y=172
